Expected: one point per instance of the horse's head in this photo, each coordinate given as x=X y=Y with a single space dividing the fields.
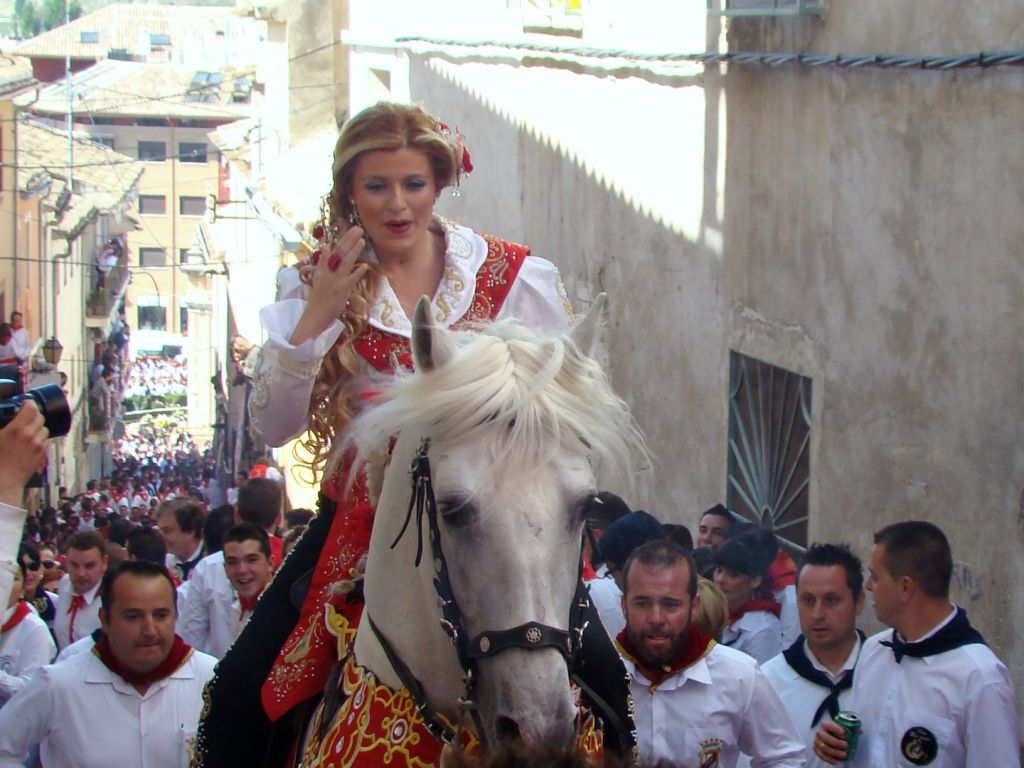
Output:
x=512 y=428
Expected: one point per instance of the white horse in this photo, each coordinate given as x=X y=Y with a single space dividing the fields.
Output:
x=506 y=431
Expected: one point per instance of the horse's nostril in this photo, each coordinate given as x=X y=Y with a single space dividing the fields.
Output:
x=505 y=729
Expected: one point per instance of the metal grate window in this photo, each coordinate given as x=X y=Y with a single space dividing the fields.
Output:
x=766 y=7
x=769 y=448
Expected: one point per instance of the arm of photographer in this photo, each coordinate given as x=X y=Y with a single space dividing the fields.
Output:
x=22 y=450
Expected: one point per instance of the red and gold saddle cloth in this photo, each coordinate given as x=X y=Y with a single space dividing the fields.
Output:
x=306 y=658
x=377 y=726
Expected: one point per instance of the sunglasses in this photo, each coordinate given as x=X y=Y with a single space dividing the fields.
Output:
x=48 y=564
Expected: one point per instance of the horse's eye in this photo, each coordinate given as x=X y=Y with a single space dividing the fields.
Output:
x=457 y=511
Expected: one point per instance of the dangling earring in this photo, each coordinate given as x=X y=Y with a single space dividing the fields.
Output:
x=353 y=217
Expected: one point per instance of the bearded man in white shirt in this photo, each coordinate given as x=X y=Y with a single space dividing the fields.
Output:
x=814 y=675
x=697 y=703
x=134 y=700
x=929 y=691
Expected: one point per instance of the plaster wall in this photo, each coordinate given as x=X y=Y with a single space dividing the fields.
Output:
x=860 y=227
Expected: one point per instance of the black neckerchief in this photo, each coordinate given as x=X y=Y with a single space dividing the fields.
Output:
x=798 y=661
x=958 y=632
x=186 y=566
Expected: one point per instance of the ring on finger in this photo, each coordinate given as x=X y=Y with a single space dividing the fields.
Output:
x=334 y=262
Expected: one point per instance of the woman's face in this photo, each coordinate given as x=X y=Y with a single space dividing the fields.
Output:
x=394 y=192
x=738 y=587
x=32 y=577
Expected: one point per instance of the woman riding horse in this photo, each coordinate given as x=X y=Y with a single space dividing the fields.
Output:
x=343 y=320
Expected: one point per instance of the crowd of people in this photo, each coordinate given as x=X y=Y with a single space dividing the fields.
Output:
x=734 y=653
x=156 y=375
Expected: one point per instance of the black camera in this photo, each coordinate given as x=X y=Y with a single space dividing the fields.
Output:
x=49 y=399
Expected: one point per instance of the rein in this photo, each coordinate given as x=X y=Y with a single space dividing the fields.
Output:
x=530 y=636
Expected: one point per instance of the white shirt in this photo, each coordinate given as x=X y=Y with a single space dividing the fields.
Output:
x=12 y=519
x=23 y=649
x=789 y=616
x=173 y=562
x=607 y=599
x=84 y=645
x=87 y=618
x=963 y=698
x=82 y=715
x=757 y=633
x=20 y=342
x=802 y=697
x=207 y=621
x=285 y=372
x=722 y=702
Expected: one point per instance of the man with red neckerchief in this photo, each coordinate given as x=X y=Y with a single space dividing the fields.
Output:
x=698 y=704
x=134 y=701
x=249 y=566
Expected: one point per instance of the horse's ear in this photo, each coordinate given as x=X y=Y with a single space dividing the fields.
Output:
x=584 y=333
x=432 y=347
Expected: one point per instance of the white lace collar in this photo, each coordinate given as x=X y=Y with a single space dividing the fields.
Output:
x=465 y=252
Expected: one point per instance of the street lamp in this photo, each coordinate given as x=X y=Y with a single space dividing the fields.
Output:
x=52 y=350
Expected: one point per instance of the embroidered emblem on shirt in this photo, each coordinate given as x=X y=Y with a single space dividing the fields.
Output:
x=919 y=745
x=710 y=753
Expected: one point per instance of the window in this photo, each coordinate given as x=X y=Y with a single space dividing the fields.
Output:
x=100 y=120
x=89 y=37
x=152 y=151
x=158 y=39
x=152 y=205
x=152 y=315
x=183 y=321
x=765 y=7
x=190 y=152
x=769 y=447
x=152 y=257
x=151 y=122
x=192 y=206
x=106 y=141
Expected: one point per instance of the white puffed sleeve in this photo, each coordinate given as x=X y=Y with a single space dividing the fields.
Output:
x=537 y=298
x=12 y=519
x=284 y=374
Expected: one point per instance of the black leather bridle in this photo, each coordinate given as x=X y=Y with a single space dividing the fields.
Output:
x=530 y=636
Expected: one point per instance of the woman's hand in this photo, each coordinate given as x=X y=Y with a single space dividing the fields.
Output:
x=335 y=274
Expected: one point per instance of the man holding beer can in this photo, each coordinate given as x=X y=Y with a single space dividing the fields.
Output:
x=929 y=691
x=814 y=675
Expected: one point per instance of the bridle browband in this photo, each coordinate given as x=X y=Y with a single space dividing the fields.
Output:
x=530 y=636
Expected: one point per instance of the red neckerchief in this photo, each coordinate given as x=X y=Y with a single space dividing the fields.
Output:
x=180 y=653
x=757 y=604
x=248 y=605
x=694 y=649
x=782 y=572
x=588 y=573
x=23 y=610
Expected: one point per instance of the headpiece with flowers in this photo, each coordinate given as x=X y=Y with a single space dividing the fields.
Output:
x=463 y=165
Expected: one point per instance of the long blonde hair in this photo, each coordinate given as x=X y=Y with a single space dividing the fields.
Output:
x=384 y=126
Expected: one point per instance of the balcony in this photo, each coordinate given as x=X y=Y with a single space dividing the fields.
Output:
x=103 y=304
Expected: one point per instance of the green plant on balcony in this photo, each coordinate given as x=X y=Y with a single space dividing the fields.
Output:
x=96 y=304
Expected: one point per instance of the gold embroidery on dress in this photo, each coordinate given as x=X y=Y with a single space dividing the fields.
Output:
x=387 y=314
x=452 y=287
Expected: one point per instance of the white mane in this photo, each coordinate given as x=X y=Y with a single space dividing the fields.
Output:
x=526 y=396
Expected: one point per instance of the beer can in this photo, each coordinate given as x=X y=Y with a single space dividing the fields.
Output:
x=850 y=723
